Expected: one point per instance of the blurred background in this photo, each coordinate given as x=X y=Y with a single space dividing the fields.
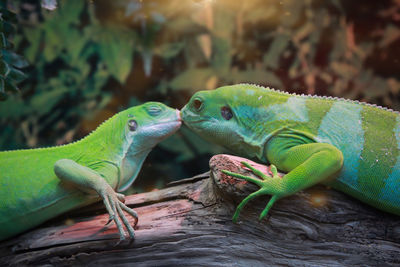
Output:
x=68 y=65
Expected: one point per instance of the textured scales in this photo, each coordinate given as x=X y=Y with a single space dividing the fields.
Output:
x=39 y=184
x=299 y=133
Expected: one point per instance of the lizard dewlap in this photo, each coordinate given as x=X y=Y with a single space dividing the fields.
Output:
x=352 y=146
x=39 y=184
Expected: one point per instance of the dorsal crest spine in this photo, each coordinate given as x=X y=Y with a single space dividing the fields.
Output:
x=340 y=99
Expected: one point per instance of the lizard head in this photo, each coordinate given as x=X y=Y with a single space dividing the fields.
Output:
x=143 y=127
x=231 y=116
x=150 y=123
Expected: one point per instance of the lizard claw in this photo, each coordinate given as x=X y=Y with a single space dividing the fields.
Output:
x=115 y=206
x=267 y=186
x=274 y=171
x=111 y=218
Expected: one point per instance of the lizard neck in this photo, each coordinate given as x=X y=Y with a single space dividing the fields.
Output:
x=103 y=149
x=108 y=140
x=131 y=164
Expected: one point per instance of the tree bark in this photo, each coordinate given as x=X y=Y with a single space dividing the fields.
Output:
x=189 y=223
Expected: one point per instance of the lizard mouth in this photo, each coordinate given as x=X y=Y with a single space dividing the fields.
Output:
x=189 y=117
x=175 y=123
x=171 y=126
x=178 y=114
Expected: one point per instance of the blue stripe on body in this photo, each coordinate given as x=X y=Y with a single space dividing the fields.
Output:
x=391 y=191
x=342 y=128
x=293 y=109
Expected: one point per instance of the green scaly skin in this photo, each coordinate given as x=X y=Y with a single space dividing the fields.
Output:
x=39 y=184
x=351 y=146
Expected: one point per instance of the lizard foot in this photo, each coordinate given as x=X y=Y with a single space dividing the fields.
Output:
x=268 y=186
x=115 y=206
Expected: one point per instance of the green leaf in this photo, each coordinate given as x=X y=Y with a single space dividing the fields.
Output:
x=16 y=75
x=74 y=44
x=15 y=59
x=10 y=86
x=44 y=102
x=2 y=85
x=182 y=25
x=169 y=50
x=115 y=46
x=8 y=28
x=9 y=76
x=69 y=12
x=4 y=68
x=193 y=79
x=193 y=53
x=14 y=108
x=61 y=31
x=275 y=51
x=221 y=55
x=54 y=35
x=8 y=15
x=97 y=81
x=3 y=41
x=34 y=37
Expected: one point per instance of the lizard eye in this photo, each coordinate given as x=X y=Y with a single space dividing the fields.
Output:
x=226 y=113
x=197 y=104
x=154 y=110
x=132 y=124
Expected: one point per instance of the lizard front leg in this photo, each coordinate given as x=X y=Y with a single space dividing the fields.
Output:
x=305 y=164
x=89 y=181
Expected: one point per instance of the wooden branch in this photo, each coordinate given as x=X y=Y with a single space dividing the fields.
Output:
x=189 y=223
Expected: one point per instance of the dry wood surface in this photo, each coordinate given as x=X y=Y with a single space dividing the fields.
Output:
x=189 y=224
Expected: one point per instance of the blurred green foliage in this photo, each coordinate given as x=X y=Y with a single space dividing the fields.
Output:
x=10 y=62
x=90 y=59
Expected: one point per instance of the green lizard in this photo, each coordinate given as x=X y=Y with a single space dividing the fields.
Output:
x=351 y=146
x=39 y=184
